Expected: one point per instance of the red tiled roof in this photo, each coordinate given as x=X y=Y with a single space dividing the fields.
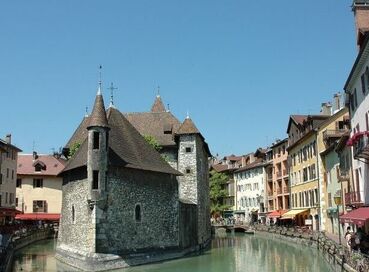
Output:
x=26 y=165
x=38 y=216
x=258 y=163
x=220 y=167
x=299 y=119
x=358 y=216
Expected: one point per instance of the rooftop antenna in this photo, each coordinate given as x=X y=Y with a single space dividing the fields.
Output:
x=112 y=88
x=168 y=109
x=100 y=82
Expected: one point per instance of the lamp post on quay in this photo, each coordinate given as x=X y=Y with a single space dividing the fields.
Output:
x=338 y=202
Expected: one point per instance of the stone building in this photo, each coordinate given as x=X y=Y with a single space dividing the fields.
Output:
x=123 y=204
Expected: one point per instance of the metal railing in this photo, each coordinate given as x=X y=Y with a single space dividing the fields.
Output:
x=337 y=133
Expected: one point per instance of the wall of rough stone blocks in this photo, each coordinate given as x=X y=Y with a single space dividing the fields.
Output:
x=157 y=194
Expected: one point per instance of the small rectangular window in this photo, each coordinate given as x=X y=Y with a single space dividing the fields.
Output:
x=12 y=174
x=19 y=183
x=16 y=201
x=188 y=149
x=188 y=170
x=38 y=183
x=95 y=180
x=96 y=140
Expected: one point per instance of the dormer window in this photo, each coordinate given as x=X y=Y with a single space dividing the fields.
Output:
x=39 y=166
x=96 y=140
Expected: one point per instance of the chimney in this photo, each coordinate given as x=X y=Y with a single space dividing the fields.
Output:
x=326 y=109
x=361 y=13
x=8 y=138
x=337 y=101
x=35 y=156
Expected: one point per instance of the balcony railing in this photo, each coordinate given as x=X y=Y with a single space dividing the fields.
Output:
x=352 y=198
x=333 y=133
x=361 y=147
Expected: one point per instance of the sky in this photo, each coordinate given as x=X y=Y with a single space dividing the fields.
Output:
x=240 y=68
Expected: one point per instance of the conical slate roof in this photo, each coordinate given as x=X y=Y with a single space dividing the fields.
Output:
x=127 y=148
x=188 y=127
x=158 y=105
x=98 y=115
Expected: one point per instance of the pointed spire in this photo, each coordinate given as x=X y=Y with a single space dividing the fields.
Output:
x=98 y=114
x=158 y=105
x=188 y=127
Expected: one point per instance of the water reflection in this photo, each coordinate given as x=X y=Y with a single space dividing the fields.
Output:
x=230 y=253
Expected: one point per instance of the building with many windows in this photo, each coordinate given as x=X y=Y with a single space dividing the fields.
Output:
x=304 y=177
x=277 y=184
x=8 y=176
x=39 y=188
x=250 y=189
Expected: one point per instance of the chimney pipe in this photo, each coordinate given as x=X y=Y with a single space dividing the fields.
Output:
x=361 y=13
x=337 y=101
x=8 y=138
x=35 y=156
x=326 y=109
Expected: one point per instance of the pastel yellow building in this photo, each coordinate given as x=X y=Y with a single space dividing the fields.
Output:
x=39 y=189
x=304 y=176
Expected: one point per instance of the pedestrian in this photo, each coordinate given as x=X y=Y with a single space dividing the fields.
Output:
x=348 y=236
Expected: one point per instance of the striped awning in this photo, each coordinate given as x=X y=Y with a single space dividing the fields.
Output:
x=292 y=213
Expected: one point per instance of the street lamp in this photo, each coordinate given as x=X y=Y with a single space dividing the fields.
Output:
x=338 y=201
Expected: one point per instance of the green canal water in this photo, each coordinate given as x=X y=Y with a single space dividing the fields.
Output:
x=232 y=253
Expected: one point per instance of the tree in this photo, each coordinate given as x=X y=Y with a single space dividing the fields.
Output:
x=217 y=192
x=73 y=149
x=153 y=142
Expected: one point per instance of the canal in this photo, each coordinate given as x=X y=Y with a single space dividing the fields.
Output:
x=231 y=253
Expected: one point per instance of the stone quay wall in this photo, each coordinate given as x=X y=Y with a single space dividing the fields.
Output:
x=337 y=256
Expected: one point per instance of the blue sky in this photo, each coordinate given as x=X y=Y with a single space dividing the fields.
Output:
x=239 y=67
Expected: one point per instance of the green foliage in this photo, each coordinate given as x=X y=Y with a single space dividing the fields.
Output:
x=153 y=142
x=217 y=192
x=73 y=149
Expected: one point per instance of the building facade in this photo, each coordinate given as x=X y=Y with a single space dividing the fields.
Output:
x=162 y=210
x=39 y=188
x=8 y=177
x=304 y=176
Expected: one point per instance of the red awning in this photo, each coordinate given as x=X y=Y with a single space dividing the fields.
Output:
x=8 y=211
x=276 y=214
x=39 y=216
x=357 y=217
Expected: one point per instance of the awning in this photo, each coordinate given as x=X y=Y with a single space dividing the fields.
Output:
x=8 y=211
x=292 y=213
x=39 y=216
x=357 y=217
x=276 y=214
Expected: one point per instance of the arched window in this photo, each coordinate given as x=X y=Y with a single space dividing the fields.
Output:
x=73 y=215
x=138 y=213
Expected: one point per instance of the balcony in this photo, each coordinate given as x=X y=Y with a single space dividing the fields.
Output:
x=353 y=198
x=333 y=134
x=361 y=147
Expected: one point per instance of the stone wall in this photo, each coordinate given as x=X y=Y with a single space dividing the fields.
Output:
x=171 y=156
x=187 y=162
x=119 y=232
x=77 y=235
x=203 y=199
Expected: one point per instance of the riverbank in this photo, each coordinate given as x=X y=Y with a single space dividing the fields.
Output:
x=337 y=256
x=22 y=240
